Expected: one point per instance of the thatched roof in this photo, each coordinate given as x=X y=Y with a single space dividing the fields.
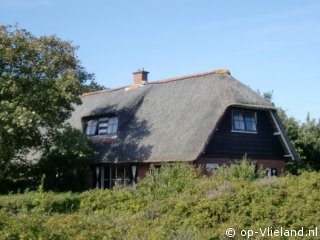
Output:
x=170 y=120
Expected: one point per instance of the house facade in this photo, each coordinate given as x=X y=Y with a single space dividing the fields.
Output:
x=208 y=119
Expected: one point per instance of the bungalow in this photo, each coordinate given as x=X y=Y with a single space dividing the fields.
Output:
x=208 y=119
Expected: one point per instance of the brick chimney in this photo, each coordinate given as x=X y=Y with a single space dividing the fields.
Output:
x=140 y=77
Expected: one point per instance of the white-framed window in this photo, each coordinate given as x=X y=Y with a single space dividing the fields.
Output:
x=271 y=172
x=113 y=125
x=117 y=175
x=211 y=166
x=92 y=127
x=244 y=121
x=102 y=126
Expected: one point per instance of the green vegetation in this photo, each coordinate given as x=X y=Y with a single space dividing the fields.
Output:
x=41 y=78
x=304 y=136
x=306 y=139
x=175 y=203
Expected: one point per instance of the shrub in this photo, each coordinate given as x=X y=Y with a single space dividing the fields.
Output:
x=244 y=170
x=193 y=207
x=170 y=179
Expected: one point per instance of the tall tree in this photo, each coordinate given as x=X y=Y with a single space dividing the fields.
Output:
x=41 y=79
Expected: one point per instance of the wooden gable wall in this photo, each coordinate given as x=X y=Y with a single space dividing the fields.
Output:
x=261 y=145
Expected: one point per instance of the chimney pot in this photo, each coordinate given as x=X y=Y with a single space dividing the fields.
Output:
x=140 y=77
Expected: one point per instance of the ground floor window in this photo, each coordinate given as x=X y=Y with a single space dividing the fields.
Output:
x=117 y=175
x=211 y=166
x=271 y=172
x=109 y=176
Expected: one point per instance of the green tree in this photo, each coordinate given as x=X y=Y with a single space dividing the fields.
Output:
x=305 y=137
x=309 y=142
x=93 y=86
x=41 y=79
x=64 y=160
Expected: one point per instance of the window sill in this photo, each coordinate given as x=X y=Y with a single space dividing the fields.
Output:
x=104 y=138
x=239 y=131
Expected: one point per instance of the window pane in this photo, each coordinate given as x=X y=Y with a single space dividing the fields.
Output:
x=120 y=172
x=242 y=125
x=115 y=120
x=111 y=120
x=128 y=172
x=103 y=131
x=113 y=172
x=91 y=127
x=104 y=119
x=109 y=129
x=237 y=115
x=249 y=116
x=115 y=128
x=250 y=121
x=103 y=125
x=88 y=130
x=107 y=172
x=238 y=121
x=236 y=125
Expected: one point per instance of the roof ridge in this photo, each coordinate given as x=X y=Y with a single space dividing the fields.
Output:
x=102 y=91
x=218 y=71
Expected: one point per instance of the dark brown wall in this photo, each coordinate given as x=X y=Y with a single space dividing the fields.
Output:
x=265 y=163
x=263 y=145
x=143 y=170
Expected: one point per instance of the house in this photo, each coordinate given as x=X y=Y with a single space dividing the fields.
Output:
x=208 y=119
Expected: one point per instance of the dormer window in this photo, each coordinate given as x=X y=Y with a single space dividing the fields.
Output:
x=102 y=126
x=91 y=127
x=244 y=121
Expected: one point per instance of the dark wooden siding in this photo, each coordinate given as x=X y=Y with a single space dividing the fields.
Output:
x=263 y=145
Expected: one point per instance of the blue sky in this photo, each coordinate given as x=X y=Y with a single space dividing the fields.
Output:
x=268 y=45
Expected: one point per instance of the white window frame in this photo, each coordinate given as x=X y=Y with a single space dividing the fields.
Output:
x=244 y=122
x=118 y=174
x=91 y=129
x=103 y=126
x=113 y=125
x=211 y=166
x=271 y=172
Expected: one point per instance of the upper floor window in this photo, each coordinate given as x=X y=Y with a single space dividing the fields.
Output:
x=244 y=121
x=102 y=126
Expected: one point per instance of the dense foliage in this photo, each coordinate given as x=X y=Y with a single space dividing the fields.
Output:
x=306 y=139
x=64 y=161
x=41 y=79
x=304 y=136
x=176 y=203
x=93 y=86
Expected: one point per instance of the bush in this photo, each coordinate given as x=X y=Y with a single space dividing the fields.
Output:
x=244 y=170
x=174 y=203
x=170 y=179
x=49 y=202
